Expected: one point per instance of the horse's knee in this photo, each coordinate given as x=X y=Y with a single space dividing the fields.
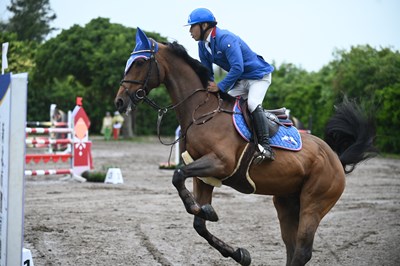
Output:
x=199 y=225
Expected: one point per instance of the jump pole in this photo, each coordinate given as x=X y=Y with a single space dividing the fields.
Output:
x=44 y=130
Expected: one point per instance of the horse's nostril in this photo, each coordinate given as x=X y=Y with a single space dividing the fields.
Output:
x=119 y=103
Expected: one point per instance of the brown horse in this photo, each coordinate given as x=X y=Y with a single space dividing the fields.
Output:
x=305 y=184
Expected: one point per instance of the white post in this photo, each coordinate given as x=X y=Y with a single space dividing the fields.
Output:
x=70 y=124
x=12 y=159
x=177 y=150
x=4 y=61
x=52 y=110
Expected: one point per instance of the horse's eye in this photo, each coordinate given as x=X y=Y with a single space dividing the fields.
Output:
x=140 y=62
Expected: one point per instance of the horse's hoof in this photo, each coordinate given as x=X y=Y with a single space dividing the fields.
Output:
x=245 y=258
x=208 y=213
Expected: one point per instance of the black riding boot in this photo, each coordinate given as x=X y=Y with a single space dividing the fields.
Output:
x=262 y=133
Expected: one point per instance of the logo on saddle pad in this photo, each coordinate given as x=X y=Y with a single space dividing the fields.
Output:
x=287 y=137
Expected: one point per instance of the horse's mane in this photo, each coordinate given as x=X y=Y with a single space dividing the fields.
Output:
x=181 y=52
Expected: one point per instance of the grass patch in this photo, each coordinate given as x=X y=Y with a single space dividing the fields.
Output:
x=390 y=155
x=94 y=176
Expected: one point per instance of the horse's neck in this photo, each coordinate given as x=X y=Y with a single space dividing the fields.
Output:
x=181 y=85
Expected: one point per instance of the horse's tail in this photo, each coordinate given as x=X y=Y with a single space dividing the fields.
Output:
x=350 y=133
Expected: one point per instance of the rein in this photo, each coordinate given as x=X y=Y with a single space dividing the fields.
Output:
x=202 y=119
x=164 y=110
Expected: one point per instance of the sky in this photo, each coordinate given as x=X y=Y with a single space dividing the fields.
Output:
x=305 y=33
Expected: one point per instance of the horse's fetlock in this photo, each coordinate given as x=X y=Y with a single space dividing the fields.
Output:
x=200 y=226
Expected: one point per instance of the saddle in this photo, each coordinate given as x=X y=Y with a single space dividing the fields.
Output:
x=276 y=117
x=281 y=130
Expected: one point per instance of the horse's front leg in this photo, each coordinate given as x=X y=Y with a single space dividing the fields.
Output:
x=240 y=255
x=203 y=195
x=205 y=166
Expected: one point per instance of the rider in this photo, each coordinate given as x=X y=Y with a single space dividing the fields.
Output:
x=249 y=75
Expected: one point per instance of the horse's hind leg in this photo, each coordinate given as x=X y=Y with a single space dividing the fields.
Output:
x=240 y=255
x=318 y=195
x=288 y=209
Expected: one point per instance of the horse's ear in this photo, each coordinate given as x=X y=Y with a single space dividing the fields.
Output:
x=142 y=42
x=145 y=48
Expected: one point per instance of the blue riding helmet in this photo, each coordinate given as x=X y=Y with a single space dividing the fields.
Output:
x=200 y=15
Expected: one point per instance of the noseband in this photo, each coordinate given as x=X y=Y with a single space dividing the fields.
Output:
x=141 y=93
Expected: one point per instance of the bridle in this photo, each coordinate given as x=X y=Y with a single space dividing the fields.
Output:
x=141 y=94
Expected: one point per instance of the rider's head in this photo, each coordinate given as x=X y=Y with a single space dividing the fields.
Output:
x=203 y=19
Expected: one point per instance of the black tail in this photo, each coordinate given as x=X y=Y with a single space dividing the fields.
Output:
x=350 y=133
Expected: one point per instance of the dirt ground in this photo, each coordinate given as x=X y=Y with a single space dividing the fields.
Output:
x=143 y=222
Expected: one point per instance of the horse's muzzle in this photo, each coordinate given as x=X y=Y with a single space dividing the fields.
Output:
x=124 y=105
x=119 y=104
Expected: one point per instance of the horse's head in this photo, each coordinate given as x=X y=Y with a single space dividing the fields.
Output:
x=142 y=74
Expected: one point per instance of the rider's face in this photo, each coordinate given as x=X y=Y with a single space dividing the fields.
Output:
x=195 y=31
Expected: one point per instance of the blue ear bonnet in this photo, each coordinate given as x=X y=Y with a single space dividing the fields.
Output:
x=144 y=48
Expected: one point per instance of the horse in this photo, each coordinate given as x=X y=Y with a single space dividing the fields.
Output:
x=305 y=184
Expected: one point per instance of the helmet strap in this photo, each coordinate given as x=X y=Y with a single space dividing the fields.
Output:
x=203 y=32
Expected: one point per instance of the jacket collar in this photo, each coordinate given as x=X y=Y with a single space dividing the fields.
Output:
x=214 y=32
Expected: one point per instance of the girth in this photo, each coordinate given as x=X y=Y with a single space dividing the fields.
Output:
x=240 y=179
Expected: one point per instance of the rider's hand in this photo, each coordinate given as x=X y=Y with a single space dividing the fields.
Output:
x=212 y=87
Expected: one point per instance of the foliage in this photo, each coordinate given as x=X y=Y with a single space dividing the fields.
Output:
x=91 y=58
x=364 y=70
x=305 y=94
x=21 y=54
x=388 y=118
x=30 y=19
x=373 y=77
x=21 y=58
x=370 y=76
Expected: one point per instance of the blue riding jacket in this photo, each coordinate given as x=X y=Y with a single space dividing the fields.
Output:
x=232 y=54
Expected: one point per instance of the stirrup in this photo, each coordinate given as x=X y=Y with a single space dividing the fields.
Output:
x=264 y=154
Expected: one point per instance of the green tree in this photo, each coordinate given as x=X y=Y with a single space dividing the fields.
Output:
x=363 y=70
x=30 y=19
x=373 y=77
x=388 y=118
x=92 y=58
x=21 y=54
x=297 y=90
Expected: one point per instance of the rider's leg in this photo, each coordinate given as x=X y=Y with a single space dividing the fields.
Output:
x=257 y=91
x=262 y=133
x=254 y=91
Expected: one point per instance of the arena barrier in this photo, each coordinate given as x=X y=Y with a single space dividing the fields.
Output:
x=78 y=152
x=13 y=98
